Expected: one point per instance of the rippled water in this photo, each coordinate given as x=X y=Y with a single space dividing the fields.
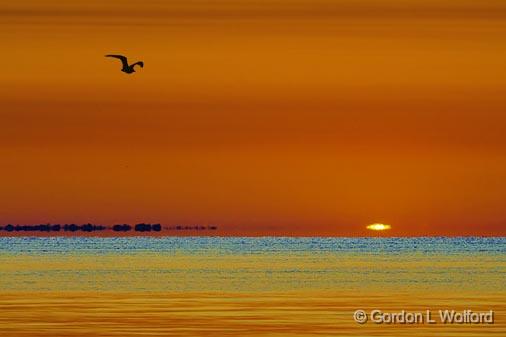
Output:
x=245 y=286
x=251 y=264
x=248 y=245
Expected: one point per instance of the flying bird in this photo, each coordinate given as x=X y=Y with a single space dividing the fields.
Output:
x=127 y=69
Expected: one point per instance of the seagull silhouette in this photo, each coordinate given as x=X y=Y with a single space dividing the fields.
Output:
x=127 y=69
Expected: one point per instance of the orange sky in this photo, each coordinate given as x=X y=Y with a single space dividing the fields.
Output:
x=265 y=117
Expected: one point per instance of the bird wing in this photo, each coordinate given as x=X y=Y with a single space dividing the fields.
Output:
x=123 y=59
x=140 y=64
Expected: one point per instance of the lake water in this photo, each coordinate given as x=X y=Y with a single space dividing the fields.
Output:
x=210 y=286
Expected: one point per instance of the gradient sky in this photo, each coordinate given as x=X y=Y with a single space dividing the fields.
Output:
x=265 y=117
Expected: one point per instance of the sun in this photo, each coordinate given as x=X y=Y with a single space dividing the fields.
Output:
x=378 y=227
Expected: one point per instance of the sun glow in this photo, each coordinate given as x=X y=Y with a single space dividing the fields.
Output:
x=379 y=227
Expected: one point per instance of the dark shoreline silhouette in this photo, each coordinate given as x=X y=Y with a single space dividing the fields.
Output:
x=88 y=228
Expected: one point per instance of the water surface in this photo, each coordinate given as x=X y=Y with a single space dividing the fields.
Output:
x=245 y=286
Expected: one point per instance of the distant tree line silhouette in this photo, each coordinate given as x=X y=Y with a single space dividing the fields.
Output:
x=140 y=227
x=53 y=228
x=191 y=228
